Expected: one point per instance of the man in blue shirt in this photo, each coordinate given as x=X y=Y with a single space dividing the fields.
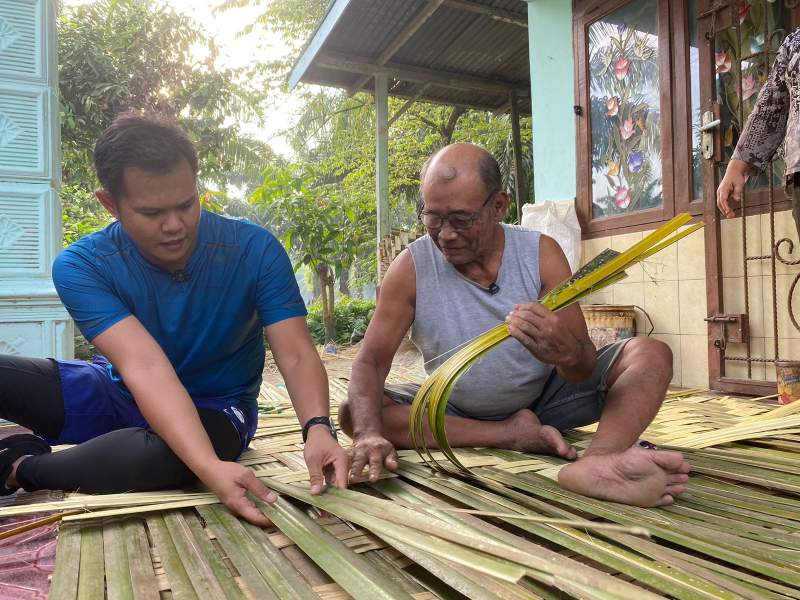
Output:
x=178 y=301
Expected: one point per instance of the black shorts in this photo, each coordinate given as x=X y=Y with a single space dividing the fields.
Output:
x=562 y=404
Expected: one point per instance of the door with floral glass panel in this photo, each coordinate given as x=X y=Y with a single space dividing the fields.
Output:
x=748 y=262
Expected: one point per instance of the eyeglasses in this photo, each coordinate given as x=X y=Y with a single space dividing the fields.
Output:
x=457 y=221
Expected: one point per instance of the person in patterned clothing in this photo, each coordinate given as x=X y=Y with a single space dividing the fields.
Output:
x=775 y=120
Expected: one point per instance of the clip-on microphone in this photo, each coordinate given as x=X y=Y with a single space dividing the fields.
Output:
x=180 y=276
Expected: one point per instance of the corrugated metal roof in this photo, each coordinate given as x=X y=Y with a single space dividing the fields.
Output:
x=367 y=24
x=466 y=57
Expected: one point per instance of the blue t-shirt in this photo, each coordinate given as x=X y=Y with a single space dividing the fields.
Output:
x=209 y=326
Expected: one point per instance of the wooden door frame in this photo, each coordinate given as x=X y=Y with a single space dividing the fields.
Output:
x=586 y=13
x=763 y=201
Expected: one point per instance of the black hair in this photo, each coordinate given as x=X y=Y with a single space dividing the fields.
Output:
x=148 y=141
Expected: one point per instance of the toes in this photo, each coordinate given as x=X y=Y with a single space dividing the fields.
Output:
x=566 y=451
x=553 y=438
x=675 y=478
x=670 y=461
x=547 y=435
x=563 y=448
x=550 y=433
x=665 y=500
x=676 y=489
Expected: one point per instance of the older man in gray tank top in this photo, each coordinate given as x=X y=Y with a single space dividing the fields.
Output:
x=469 y=273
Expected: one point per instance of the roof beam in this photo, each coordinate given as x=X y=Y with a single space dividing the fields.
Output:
x=409 y=95
x=339 y=61
x=499 y=14
x=502 y=109
x=439 y=101
x=400 y=39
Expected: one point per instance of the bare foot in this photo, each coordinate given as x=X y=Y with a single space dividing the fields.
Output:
x=635 y=476
x=527 y=434
x=11 y=482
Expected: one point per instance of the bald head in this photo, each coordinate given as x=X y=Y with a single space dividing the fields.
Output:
x=457 y=161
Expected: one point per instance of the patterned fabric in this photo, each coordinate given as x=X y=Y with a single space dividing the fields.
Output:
x=793 y=184
x=26 y=560
x=776 y=116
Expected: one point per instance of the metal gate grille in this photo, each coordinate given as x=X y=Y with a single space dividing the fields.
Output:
x=749 y=312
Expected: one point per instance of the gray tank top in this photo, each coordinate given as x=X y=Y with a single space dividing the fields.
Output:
x=451 y=309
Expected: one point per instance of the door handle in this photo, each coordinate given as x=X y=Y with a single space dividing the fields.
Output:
x=711 y=125
x=708 y=124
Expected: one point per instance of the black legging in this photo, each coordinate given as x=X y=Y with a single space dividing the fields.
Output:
x=127 y=460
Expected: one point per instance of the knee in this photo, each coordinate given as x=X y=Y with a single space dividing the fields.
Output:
x=227 y=448
x=346 y=418
x=650 y=355
x=8 y=360
x=155 y=460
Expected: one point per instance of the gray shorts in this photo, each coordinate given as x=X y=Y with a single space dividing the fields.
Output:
x=562 y=404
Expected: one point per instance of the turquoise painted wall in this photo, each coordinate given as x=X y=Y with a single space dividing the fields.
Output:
x=552 y=95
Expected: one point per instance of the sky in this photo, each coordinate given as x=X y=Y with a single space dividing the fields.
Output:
x=236 y=51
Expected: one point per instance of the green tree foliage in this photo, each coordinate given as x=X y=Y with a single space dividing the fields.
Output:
x=321 y=228
x=294 y=20
x=116 y=55
x=336 y=134
x=334 y=139
x=352 y=318
x=80 y=214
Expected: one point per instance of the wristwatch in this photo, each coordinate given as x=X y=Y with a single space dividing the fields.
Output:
x=327 y=421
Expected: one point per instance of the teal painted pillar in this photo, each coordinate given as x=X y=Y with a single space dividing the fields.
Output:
x=381 y=159
x=32 y=320
x=552 y=98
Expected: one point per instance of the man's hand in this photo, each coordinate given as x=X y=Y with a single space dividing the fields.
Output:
x=231 y=481
x=541 y=331
x=326 y=460
x=374 y=450
x=732 y=186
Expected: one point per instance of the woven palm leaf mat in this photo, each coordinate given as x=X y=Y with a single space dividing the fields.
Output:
x=507 y=532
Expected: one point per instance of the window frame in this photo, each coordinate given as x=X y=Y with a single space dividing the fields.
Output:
x=676 y=108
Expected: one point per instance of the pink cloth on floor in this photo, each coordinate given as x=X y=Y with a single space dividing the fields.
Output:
x=27 y=560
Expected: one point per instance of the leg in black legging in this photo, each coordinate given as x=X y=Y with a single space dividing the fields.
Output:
x=126 y=460
x=30 y=394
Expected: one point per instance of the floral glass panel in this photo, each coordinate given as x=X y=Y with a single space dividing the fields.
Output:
x=625 y=115
x=762 y=26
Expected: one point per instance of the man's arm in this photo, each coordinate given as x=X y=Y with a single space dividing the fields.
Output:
x=168 y=409
x=307 y=384
x=561 y=338
x=763 y=132
x=393 y=317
